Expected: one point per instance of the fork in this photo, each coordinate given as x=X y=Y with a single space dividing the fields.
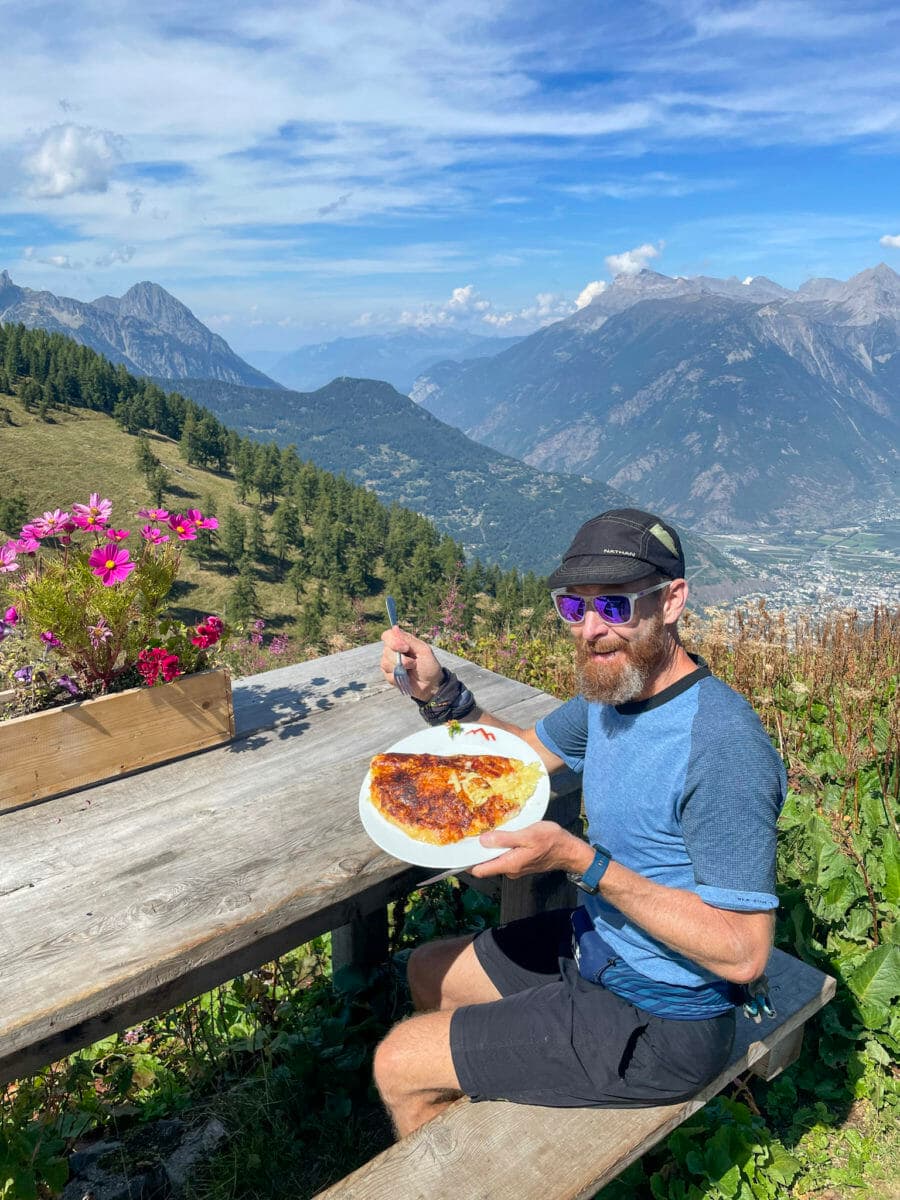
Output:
x=401 y=676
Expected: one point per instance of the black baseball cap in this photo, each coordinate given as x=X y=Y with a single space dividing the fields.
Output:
x=621 y=546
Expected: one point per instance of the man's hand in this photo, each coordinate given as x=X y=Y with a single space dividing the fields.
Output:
x=544 y=846
x=424 y=670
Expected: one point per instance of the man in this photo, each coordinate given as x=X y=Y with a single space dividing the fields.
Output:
x=629 y=999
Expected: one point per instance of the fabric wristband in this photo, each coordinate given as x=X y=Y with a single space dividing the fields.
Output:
x=451 y=702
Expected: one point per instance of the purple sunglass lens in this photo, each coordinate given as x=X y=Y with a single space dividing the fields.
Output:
x=615 y=609
x=570 y=608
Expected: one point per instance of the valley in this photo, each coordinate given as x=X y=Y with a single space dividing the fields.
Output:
x=853 y=566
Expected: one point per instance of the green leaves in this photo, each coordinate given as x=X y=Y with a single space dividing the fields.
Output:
x=876 y=983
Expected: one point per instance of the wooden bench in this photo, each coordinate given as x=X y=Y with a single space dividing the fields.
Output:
x=500 y=1151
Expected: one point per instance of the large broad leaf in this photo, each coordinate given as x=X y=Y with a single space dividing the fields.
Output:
x=877 y=982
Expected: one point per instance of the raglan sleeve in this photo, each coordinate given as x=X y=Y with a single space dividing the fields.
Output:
x=564 y=732
x=735 y=787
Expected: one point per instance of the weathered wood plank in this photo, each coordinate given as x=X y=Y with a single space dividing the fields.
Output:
x=499 y=1151
x=120 y=900
x=46 y=753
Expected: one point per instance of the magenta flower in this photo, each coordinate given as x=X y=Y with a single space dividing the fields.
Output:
x=154 y=535
x=117 y=535
x=27 y=544
x=195 y=515
x=51 y=524
x=185 y=530
x=8 y=553
x=111 y=563
x=94 y=514
x=50 y=638
x=155 y=514
x=11 y=616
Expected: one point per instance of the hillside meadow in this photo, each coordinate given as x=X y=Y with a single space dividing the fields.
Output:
x=53 y=463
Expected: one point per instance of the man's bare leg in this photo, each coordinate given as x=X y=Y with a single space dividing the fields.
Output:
x=445 y=974
x=413 y=1066
x=414 y=1071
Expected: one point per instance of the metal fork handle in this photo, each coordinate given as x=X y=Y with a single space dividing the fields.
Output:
x=391 y=609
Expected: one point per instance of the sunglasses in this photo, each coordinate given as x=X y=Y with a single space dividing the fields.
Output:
x=615 y=610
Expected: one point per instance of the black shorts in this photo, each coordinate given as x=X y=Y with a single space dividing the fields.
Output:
x=555 y=1039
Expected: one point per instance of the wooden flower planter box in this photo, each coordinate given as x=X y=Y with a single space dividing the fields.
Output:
x=58 y=750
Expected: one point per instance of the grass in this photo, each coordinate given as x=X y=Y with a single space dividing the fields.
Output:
x=53 y=464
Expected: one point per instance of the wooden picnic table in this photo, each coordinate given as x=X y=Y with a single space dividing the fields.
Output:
x=123 y=899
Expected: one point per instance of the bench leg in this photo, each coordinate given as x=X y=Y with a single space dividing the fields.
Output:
x=361 y=943
x=780 y=1056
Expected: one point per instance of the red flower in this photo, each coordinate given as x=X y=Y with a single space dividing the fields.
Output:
x=207 y=635
x=156 y=662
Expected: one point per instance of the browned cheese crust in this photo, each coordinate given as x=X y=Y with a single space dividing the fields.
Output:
x=445 y=798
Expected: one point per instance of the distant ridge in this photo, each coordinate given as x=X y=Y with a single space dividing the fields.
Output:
x=398 y=358
x=501 y=510
x=147 y=330
x=732 y=406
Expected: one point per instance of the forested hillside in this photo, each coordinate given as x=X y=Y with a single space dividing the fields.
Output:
x=299 y=546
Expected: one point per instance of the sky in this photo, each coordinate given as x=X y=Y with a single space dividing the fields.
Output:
x=302 y=171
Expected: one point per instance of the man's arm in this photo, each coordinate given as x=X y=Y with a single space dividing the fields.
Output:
x=734 y=945
x=425 y=674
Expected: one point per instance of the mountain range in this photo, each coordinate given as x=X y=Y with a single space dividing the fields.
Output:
x=500 y=509
x=397 y=358
x=730 y=405
x=147 y=330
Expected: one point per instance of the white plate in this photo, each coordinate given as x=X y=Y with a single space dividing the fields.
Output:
x=469 y=851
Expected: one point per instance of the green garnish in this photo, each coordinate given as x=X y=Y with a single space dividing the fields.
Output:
x=454 y=728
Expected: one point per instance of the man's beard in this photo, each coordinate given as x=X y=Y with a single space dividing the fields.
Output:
x=627 y=676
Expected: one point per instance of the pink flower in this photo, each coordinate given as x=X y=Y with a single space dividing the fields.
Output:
x=195 y=515
x=27 y=543
x=94 y=514
x=99 y=633
x=30 y=532
x=216 y=624
x=185 y=529
x=154 y=535
x=117 y=535
x=111 y=563
x=155 y=514
x=8 y=553
x=11 y=616
x=50 y=638
x=51 y=524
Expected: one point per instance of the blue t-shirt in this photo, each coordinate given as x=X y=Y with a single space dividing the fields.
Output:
x=684 y=788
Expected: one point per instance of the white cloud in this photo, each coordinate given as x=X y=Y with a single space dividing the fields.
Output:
x=890 y=239
x=466 y=299
x=121 y=254
x=589 y=291
x=632 y=261
x=547 y=308
x=73 y=158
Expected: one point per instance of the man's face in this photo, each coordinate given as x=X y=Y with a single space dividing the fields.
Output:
x=616 y=663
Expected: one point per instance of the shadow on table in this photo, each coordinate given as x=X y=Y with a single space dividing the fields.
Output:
x=259 y=708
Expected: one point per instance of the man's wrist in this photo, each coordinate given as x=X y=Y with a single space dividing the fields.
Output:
x=581 y=856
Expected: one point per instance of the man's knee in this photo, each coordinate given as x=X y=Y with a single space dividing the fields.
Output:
x=388 y=1063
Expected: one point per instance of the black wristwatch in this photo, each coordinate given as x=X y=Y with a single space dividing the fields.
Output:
x=590 y=881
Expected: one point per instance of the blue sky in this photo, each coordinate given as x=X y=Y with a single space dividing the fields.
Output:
x=295 y=172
